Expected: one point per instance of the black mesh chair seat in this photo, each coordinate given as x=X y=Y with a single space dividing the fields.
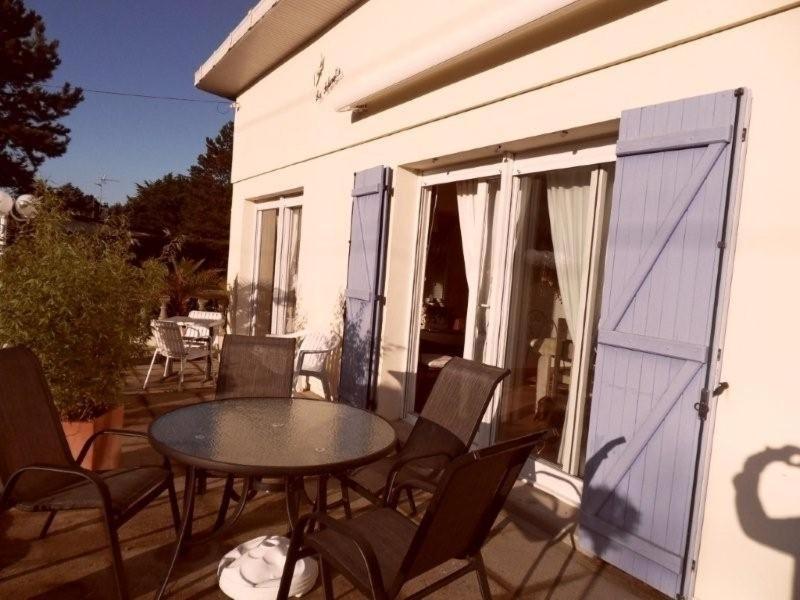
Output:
x=390 y=535
x=125 y=486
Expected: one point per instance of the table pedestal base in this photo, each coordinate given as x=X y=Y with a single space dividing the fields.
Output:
x=252 y=571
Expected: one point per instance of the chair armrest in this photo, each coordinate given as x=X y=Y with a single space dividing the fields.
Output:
x=120 y=432
x=410 y=484
x=363 y=544
x=89 y=476
x=401 y=463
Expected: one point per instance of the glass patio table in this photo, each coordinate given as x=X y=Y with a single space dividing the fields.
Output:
x=266 y=437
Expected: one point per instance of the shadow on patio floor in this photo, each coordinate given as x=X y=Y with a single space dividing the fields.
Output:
x=524 y=560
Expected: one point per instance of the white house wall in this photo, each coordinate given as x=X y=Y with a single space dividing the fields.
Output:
x=285 y=140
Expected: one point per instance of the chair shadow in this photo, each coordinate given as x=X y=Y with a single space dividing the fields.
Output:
x=782 y=534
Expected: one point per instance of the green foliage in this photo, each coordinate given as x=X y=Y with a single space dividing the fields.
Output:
x=195 y=207
x=76 y=300
x=187 y=278
x=74 y=201
x=29 y=128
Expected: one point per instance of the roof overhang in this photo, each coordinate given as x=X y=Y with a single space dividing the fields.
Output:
x=270 y=32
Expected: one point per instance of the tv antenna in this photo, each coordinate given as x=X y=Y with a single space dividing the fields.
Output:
x=101 y=182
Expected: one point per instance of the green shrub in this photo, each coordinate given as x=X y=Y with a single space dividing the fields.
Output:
x=70 y=293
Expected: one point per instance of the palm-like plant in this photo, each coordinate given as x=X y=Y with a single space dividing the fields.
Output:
x=188 y=279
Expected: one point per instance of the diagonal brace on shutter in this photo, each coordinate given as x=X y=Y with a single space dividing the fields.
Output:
x=665 y=231
x=637 y=443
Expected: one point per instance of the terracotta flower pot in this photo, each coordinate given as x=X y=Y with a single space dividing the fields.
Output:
x=106 y=451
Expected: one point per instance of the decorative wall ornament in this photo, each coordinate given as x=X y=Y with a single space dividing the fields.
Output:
x=323 y=84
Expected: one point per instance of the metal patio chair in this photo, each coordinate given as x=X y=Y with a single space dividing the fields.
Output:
x=379 y=550
x=252 y=367
x=255 y=366
x=444 y=430
x=312 y=359
x=171 y=344
x=40 y=474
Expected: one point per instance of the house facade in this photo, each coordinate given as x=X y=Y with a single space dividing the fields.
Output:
x=597 y=195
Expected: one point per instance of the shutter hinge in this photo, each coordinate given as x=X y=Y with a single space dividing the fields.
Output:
x=721 y=244
x=744 y=133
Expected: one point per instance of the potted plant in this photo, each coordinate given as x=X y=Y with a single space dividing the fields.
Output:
x=70 y=293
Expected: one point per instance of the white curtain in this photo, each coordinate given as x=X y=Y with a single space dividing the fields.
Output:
x=473 y=219
x=570 y=203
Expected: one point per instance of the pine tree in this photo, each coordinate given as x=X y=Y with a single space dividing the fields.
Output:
x=29 y=114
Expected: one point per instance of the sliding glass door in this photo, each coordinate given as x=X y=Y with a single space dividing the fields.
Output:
x=560 y=223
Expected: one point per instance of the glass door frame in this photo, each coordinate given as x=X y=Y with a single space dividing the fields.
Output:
x=557 y=481
x=425 y=192
x=282 y=204
x=510 y=167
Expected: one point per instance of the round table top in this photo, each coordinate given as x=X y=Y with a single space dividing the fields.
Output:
x=272 y=436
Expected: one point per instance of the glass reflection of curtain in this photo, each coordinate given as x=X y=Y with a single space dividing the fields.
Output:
x=570 y=203
x=264 y=284
x=292 y=270
x=473 y=219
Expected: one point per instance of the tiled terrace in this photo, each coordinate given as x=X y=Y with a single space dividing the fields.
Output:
x=72 y=561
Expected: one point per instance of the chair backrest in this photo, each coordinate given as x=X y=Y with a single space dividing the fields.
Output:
x=460 y=396
x=322 y=344
x=168 y=338
x=211 y=315
x=470 y=495
x=30 y=429
x=255 y=366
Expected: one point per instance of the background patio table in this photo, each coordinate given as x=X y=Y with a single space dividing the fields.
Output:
x=210 y=324
x=267 y=437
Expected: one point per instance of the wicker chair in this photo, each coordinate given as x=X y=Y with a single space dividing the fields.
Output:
x=444 y=430
x=313 y=357
x=171 y=344
x=255 y=366
x=40 y=473
x=379 y=550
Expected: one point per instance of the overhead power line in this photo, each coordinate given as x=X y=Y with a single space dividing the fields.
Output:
x=144 y=96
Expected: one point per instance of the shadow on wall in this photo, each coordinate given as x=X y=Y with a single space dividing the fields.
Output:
x=612 y=508
x=782 y=534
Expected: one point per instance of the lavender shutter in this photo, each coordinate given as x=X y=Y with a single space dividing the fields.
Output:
x=364 y=294
x=659 y=299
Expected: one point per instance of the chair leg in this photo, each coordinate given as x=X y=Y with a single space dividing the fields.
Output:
x=348 y=512
x=116 y=558
x=483 y=580
x=202 y=482
x=411 y=504
x=327 y=582
x=180 y=376
x=326 y=387
x=173 y=505
x=288 y=568
x=150 y=370
x=47 y=523
x=167 y=365
x=226 y=500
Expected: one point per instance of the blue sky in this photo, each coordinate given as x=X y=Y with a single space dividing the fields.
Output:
x=141 y=46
